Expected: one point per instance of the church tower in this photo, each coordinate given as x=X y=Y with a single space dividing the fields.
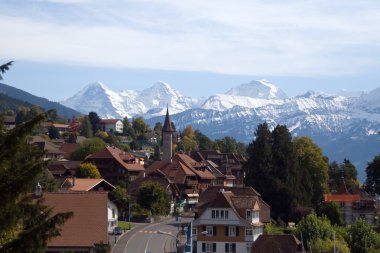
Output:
x=167 y=138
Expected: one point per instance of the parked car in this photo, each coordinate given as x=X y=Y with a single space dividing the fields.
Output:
x=117 y=231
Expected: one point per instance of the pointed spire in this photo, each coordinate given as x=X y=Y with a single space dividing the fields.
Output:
x=167 y=124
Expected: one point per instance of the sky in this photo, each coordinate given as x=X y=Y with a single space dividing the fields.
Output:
x=199 y=47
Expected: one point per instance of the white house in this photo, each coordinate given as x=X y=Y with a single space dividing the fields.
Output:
x=111 y=125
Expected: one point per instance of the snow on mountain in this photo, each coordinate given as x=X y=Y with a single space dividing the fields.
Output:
x=128 y=103
x=223 y=102
x=370 y=102
x=258 y=89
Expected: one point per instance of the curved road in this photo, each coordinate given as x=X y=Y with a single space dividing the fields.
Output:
x=146 y=238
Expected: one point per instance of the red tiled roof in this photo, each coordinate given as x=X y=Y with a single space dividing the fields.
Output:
x=342 y=197
x=276 y=243
x=88 y=226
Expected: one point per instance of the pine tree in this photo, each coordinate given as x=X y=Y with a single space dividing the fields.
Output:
x=24 y=224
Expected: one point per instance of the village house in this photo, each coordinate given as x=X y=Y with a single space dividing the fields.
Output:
x=111 y=125
x=86 y=184
x=189 y=176
x=228 y=164
x=61 y=128
x=94 y=217
x=354 y=206
x=277 y=244
x=228 y=223
x=9 y=122
x=115 y=165
x=51 y=151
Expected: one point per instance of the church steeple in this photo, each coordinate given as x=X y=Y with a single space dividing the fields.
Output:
x=167 y=124
x=167 y=138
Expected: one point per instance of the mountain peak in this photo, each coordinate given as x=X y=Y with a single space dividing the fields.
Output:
x=258 y=89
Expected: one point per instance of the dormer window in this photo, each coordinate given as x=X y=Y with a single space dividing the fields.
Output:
x=249 y=214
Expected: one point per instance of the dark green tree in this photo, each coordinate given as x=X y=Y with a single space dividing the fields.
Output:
x=373 y=176
x=157 y=154
x=141 y=128
x=332 y=211
x=128 y=129
x=95 y=122
x=24 y=224
x=85 y=128
x=259 y=167
x=345 y=171
x=53 y=132
x=204 y=143
x=312 y=171
x=154 y=197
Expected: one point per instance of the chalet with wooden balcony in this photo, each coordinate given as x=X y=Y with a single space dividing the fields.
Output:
x=232 y=222
x=115 y=165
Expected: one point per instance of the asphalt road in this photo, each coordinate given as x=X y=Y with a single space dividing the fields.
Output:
x=146 y=238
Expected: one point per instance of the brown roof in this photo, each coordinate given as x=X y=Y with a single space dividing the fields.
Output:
x=342 y=197
x=200 y=169
x=115 y=153
x=86 y=184
x=109 y=121
x=88 y=226
x=276 y=244
x=68 y=148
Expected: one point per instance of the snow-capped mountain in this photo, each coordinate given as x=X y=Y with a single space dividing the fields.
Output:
x=148 y=102
x=258 y=89
x=344 y=125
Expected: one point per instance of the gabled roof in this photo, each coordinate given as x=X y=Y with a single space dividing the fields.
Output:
x=200 y=169
x=86 y=184
x=342 y=197
x=276 y=243
x=115 y=153
x=88 y=226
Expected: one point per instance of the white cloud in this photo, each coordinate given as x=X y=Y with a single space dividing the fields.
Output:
x=236 y=37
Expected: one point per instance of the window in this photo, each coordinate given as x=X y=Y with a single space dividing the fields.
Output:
x=226 y=214
x=208 y=247
x=210 y=230
x=230 y=247
x=217 y=214
x=249 y=215
x=255 y=214
x=248 y=231
x=113 y=213
x=222 y=214
x=194 y=232
x=213 y=214
x=232 y=231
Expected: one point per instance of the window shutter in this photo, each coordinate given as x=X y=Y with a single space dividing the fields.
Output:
x=226 y=230
x=226 y=247
x=237 y=231
x=233 y=247
x=214 y=247
x=214 y=231
x=203 y=247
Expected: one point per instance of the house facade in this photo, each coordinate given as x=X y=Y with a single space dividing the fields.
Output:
x=115 y=165
x=354 y=206
x=229 y=223
x=111 y=125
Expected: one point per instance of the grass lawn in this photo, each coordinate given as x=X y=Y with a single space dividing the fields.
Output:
x=124 y=225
